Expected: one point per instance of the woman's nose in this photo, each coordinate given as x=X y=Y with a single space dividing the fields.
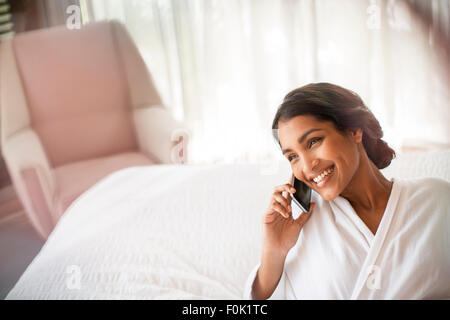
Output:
x=309 y=165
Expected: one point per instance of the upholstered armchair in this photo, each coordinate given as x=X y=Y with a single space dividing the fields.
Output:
x=77 y=105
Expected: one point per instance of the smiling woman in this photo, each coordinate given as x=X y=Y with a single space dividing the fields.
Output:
x=356 y=244
x=344 y=109
x=337 y=120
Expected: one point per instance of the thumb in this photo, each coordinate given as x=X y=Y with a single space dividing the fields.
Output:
x=304 y=216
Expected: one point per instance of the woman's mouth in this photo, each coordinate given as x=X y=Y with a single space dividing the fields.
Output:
x=324 y=177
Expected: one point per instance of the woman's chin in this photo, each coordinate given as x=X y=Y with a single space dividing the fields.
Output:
x=328 y=195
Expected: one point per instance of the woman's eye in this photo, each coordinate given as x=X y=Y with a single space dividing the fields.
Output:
x=291 y=157
x=313 y=141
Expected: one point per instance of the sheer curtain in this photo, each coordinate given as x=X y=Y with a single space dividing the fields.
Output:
x=224 y=66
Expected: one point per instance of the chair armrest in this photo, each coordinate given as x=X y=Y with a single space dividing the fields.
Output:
x=32 y=177
x=160 y=136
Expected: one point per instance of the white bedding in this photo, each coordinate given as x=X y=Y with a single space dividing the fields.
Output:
x=169 y=232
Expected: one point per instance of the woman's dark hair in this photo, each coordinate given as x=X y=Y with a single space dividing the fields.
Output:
x=329 y=102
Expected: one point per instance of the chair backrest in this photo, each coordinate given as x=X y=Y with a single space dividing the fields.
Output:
x=81 y=87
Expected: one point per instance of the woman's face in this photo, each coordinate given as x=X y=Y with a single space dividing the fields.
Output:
x=320 y=155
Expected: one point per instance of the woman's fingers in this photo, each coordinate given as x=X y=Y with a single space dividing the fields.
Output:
x=305 y=215
x=284 y=187
x=282 y=203
x=282 y=194
x=281 y=200
x=284 y=200
x=285 y=212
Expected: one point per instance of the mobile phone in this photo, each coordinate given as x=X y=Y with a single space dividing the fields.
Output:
x=302 y=195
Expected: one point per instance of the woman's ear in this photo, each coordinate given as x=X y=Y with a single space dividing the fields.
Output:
x=355 y=134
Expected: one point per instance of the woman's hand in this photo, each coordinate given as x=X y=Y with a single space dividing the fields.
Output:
x=280 y=230
x=280 y=233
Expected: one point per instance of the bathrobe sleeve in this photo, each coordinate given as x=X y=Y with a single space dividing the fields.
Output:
x=283 y=290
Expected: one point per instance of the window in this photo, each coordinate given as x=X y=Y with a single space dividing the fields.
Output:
x=6 y=24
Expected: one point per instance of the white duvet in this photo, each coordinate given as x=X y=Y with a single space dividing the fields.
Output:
x=169 y=232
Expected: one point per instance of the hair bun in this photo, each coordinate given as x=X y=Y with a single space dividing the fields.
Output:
x=383 y=154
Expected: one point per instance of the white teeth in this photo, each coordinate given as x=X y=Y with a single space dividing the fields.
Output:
x=321 y=176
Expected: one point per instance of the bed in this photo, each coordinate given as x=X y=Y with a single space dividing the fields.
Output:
x=170 y=231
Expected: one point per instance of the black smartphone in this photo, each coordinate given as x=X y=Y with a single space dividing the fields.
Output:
x=302 y=195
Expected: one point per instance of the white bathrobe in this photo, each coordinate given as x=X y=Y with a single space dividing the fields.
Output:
x=338 y=257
